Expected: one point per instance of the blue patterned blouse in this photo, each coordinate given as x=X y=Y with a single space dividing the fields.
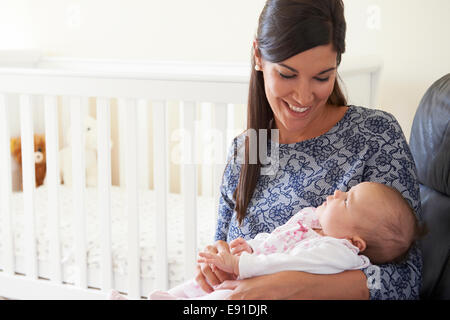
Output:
x=365 y=145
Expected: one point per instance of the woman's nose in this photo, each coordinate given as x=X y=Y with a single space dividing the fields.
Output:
x=303 y=94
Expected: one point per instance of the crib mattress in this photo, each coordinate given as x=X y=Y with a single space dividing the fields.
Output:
x=206 y=217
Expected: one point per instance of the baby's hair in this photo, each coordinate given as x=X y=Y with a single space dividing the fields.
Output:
x=395 y=234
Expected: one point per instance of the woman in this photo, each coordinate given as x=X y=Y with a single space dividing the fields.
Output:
x=323 y=145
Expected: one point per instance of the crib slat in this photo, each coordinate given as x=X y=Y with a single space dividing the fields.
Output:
x=206 y=167
x=29 y=182
x=121 y=119
x=220 y=113
x=231 y=125
x=6 y=189
x=132 y=208
x=161 y=188
x=189 y=186
x=104 y=189
x=143 y=164
x=77 y=113
x=53 y=181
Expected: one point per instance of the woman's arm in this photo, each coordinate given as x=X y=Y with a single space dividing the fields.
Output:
x=205 y=277
x=226 y=204
x=292 y=285
x=390 y=161
x=399 y=281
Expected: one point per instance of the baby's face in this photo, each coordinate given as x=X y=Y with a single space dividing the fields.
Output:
x=341 y=212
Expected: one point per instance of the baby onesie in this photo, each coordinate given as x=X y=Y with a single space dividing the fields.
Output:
x=296 y=246
x=293 y=246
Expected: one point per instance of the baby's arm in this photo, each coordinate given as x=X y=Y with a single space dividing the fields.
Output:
x=239 y=245
x=223 y=260
x=227 y=261
x=324 y=258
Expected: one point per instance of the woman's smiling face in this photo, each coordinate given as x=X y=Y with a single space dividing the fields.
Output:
x=297 y=90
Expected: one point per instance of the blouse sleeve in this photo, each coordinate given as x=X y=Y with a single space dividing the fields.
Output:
x=392 y=164
x=226 y=203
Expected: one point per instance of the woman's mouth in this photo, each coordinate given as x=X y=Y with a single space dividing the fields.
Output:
x=295 y=108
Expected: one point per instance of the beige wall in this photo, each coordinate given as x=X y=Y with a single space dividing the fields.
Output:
x=198 y=30
x=411 y=36
x=413 y=42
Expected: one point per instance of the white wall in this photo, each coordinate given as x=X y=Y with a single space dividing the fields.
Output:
x=411 y=36
x=15 y=24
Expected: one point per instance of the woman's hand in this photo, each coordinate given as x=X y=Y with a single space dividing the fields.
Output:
x=206 y=278
x=223 y=260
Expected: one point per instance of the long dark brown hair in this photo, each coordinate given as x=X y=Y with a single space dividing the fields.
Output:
x=286 y=28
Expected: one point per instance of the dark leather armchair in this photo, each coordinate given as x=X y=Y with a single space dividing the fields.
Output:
x=430 y=146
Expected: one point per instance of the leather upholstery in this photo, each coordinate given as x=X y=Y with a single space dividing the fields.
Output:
x=430 y=146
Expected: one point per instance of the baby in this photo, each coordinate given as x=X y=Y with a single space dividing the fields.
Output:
x=371 y=223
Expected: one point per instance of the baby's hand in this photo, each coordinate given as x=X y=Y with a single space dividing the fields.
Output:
x=239 y=245
x=222 y=260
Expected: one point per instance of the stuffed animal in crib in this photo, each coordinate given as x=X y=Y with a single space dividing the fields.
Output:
x=65 y=155
x=39 y=156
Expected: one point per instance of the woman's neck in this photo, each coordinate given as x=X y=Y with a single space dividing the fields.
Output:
x=327 y=120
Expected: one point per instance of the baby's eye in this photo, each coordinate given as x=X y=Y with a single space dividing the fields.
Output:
x=345 y=202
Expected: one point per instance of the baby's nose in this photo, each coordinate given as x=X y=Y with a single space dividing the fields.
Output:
x=338 y=193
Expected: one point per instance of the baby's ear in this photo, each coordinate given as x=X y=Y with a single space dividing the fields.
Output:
x=358 y=242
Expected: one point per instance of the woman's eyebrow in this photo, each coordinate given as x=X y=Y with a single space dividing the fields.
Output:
x=287 y=67
x=325 y=71
x=294 y=70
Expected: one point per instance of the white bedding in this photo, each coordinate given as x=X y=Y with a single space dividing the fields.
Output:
x=175 y=220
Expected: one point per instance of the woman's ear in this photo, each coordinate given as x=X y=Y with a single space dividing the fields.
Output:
x=256 y=54
x=358 y=242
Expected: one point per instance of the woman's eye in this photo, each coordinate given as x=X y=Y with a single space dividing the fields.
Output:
x=322 y=79
x=293 y=76
x=285 y=76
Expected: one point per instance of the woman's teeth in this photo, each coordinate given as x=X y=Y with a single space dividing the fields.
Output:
x=297 y=109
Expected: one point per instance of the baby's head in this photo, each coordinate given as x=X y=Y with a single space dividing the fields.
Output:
x=374 y=217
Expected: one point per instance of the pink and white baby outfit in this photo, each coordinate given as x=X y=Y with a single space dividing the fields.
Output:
x=296 y=246
x=293 y=246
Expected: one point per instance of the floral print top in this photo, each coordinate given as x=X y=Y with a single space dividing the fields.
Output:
x=365 y=145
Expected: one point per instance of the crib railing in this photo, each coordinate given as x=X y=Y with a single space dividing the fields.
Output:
x=131 y=91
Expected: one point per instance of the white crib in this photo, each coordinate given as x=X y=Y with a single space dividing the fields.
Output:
x=139 y=91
